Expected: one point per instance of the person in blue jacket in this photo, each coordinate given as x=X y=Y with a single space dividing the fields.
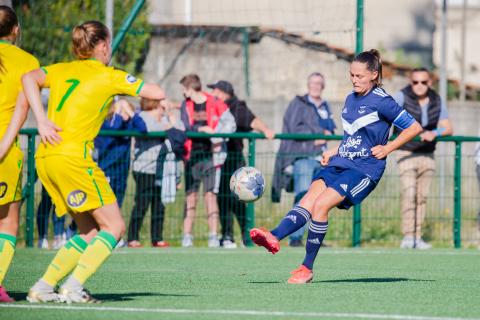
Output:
x=113 y=153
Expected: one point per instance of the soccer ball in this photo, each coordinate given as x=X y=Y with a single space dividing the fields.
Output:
x=247 y=184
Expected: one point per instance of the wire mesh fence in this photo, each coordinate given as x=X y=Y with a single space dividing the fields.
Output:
x=380 y=212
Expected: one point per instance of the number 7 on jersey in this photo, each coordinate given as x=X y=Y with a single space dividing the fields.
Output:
x=74 y=84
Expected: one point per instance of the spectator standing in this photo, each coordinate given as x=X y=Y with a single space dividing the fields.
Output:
x=202 y=112
x=157 y=116
x=415 y=159
x=300 y=159
x=245 y=121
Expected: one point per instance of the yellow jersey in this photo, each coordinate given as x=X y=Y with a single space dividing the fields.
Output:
x=80 y=96
x=16 y=62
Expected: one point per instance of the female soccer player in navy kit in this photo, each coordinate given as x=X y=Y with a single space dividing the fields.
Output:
x=353 y=169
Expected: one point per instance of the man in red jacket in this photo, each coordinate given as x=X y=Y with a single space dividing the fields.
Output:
x=201 y=112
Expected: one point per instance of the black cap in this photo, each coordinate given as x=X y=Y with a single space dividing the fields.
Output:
x=223 y=85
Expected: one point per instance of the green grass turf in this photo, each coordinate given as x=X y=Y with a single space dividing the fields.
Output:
x=348 y=284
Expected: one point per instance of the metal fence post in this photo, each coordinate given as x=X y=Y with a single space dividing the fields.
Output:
x=357 y=226
x=246 y=60
x=30 y=194
x=457 y=196
x=250 y=218
x=126 y=25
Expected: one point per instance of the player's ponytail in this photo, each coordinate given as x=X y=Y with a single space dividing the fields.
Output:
x=86 y=36
x=8 y=21
x=374 y=63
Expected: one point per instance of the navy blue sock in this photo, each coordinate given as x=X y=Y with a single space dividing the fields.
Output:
x=316 y=233
x=294 y=220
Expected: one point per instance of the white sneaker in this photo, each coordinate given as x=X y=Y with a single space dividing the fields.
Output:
x=409 y=243
x=59 y=241
x=229 y=244
x=43 y=244
x=422 y=245
x=213 y=241
x=187 y=241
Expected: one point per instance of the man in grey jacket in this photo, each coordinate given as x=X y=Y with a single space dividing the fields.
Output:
x=297 y=160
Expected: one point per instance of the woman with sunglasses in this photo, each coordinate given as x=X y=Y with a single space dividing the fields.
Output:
x=415 y=158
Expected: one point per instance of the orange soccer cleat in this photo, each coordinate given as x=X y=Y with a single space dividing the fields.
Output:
x=301 y=275
x=262 y=237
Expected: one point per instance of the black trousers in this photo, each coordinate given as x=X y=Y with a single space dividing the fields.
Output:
x=147 y=193
x=228 y=205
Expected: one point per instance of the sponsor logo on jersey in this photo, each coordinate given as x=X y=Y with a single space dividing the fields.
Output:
x=344 y=187
x=350 y=148
x=3 y=189
x=76 y=198
x=131 y=79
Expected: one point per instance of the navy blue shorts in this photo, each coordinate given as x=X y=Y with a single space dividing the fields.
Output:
x=349 y=183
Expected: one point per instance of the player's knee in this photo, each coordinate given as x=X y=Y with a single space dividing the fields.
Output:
x=320 y=211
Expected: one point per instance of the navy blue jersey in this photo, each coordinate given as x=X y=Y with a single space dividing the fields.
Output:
x=366 y=123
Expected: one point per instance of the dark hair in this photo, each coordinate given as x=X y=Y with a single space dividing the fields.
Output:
x=86 y=36
x=8 y=21
x=420 y=69
x=191 y=81
x=373 y=61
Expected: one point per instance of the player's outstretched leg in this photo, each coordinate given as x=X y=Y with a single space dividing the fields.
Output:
x=294 y=220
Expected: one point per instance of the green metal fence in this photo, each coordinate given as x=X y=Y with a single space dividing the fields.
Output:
x=376 y=221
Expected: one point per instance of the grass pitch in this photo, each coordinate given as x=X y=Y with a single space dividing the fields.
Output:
x=251 y=284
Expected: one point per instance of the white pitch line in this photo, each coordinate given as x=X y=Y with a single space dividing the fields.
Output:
x=237 y=312
x=323 y=252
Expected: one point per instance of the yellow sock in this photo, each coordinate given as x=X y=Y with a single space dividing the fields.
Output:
x=96 y=253
x=65 y=260
x=7 y=249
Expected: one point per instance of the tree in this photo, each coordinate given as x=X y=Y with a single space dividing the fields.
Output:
x=47 y=24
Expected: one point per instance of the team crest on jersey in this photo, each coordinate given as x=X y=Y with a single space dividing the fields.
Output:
x=362 y=109
x=76 y=198
x=131 y=79
x=3 y=189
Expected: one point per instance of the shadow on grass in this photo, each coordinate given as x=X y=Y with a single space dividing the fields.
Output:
x=264 y=282
x=373 y=280
x=21 y=296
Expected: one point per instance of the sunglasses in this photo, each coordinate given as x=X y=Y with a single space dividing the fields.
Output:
x=422 y=82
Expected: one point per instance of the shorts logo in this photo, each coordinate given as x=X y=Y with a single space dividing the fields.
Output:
x=131 y=79
x=3 y=189
x=76 y=198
